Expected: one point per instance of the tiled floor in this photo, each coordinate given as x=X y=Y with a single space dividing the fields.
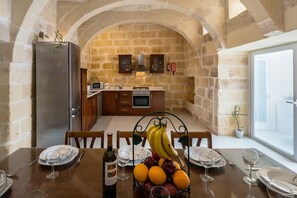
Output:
x=114 y=123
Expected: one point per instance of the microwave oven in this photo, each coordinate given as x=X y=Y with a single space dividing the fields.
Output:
x=97 y=85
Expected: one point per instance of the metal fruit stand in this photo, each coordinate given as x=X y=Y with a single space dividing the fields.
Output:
x=162 y=118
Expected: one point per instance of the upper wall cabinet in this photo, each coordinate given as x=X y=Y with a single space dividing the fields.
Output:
x=125 y=63
x=157 y=63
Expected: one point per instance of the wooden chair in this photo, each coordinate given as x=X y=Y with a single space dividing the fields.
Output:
x=127 y=135
x=199 y=135
x=84 y=135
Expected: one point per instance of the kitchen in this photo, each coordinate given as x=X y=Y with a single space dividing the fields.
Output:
x=207 y=73
x=206 y=44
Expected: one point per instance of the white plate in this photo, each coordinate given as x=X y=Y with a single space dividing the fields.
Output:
x=276 y=174
x=73 y=153
x=195 y=152
x=63 y=149
x=139 y=151
x=130 y=163
x=8 y=184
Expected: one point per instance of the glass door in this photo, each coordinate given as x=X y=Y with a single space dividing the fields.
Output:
x=273 y=98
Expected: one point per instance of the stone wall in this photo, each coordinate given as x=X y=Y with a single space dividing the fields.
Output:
x=202 y=66
x=17 y=73
x=233 y=90
x=147 y=39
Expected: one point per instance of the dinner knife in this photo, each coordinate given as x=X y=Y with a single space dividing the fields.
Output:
x=227 y=159
x=33 y=162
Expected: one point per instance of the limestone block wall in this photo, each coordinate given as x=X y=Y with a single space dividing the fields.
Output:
x=17 y=76
x=205 y=75
x=147 y=39
x=233 y=90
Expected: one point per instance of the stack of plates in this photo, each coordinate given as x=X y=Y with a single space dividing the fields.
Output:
x=67 y=154
x=276 y=174
x=6 y=187
x=195 y=153
x=140 y=153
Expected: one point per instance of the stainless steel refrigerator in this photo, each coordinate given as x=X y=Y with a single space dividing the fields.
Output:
x=58 y=92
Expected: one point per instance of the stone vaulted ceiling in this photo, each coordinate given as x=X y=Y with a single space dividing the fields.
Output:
x=88 y=17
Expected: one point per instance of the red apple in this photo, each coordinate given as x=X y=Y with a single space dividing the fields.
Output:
x=168 y=166
x=149 y=162
x=171 y=188
x=148 y=185
x=155 y=156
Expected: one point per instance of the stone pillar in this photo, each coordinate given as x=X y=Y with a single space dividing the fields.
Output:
x=233 y=89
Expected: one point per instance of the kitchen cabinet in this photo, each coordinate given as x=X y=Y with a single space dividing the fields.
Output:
x=157 y=101
x=91 y=112
x=124 y=102
x=125 y=63
x=157 y=63
x=89 y=105
x=117 y=102
x=109 y=102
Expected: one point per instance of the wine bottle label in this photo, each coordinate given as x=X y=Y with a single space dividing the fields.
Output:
x=110 y=173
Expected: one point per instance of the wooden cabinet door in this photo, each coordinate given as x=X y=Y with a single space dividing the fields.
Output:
x=157 y=63
x=84 y=125
x=109 y=103
x=89 y=113
x=94 y=109
x=124 y=102
x=157 y=101
x=125 y=63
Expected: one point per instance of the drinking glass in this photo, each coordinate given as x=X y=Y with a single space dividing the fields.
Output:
x=123 y=159
x=3 y=180
x=159 y=191
x=37 y=193
x=207 y=192
x=250 y=157
x=207 y=160
x=276 y=189
x=52 y=157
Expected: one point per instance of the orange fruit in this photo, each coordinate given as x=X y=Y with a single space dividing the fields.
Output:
x=180 y=179
x=177 y=166
x=157 y=175
x=140 y=172
x=160 y=162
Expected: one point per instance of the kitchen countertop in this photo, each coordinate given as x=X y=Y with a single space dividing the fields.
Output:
x=94 y=92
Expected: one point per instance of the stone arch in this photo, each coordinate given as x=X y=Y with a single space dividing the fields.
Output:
x=211 y=14
x=24 y=34
x=269 y=15
x=184 y=27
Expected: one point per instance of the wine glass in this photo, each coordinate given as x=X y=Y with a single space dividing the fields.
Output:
x=159 y=191
x=207 y=192
x=123 y=159
x=51 y=158
x=207 y=160
x=250 y=157
x=276 y=189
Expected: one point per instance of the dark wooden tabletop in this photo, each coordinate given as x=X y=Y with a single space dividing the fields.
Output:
x=85 y=179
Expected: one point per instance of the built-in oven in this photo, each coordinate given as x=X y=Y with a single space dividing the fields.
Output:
x=141 y=97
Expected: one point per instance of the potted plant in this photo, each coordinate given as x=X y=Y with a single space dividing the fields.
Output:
x=236 y=115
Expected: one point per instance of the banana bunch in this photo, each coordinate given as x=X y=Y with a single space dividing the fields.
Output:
x=160 y=142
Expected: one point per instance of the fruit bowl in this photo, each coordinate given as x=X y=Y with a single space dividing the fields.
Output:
x=156 y=171
x=146 y=193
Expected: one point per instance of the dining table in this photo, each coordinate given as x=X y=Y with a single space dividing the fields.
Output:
x=85 y=179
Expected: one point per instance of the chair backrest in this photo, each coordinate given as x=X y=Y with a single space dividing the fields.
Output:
x=194 y=134
x=78 y=136
x=127 y=135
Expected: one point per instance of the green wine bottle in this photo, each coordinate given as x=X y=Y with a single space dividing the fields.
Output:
x=109 y=170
